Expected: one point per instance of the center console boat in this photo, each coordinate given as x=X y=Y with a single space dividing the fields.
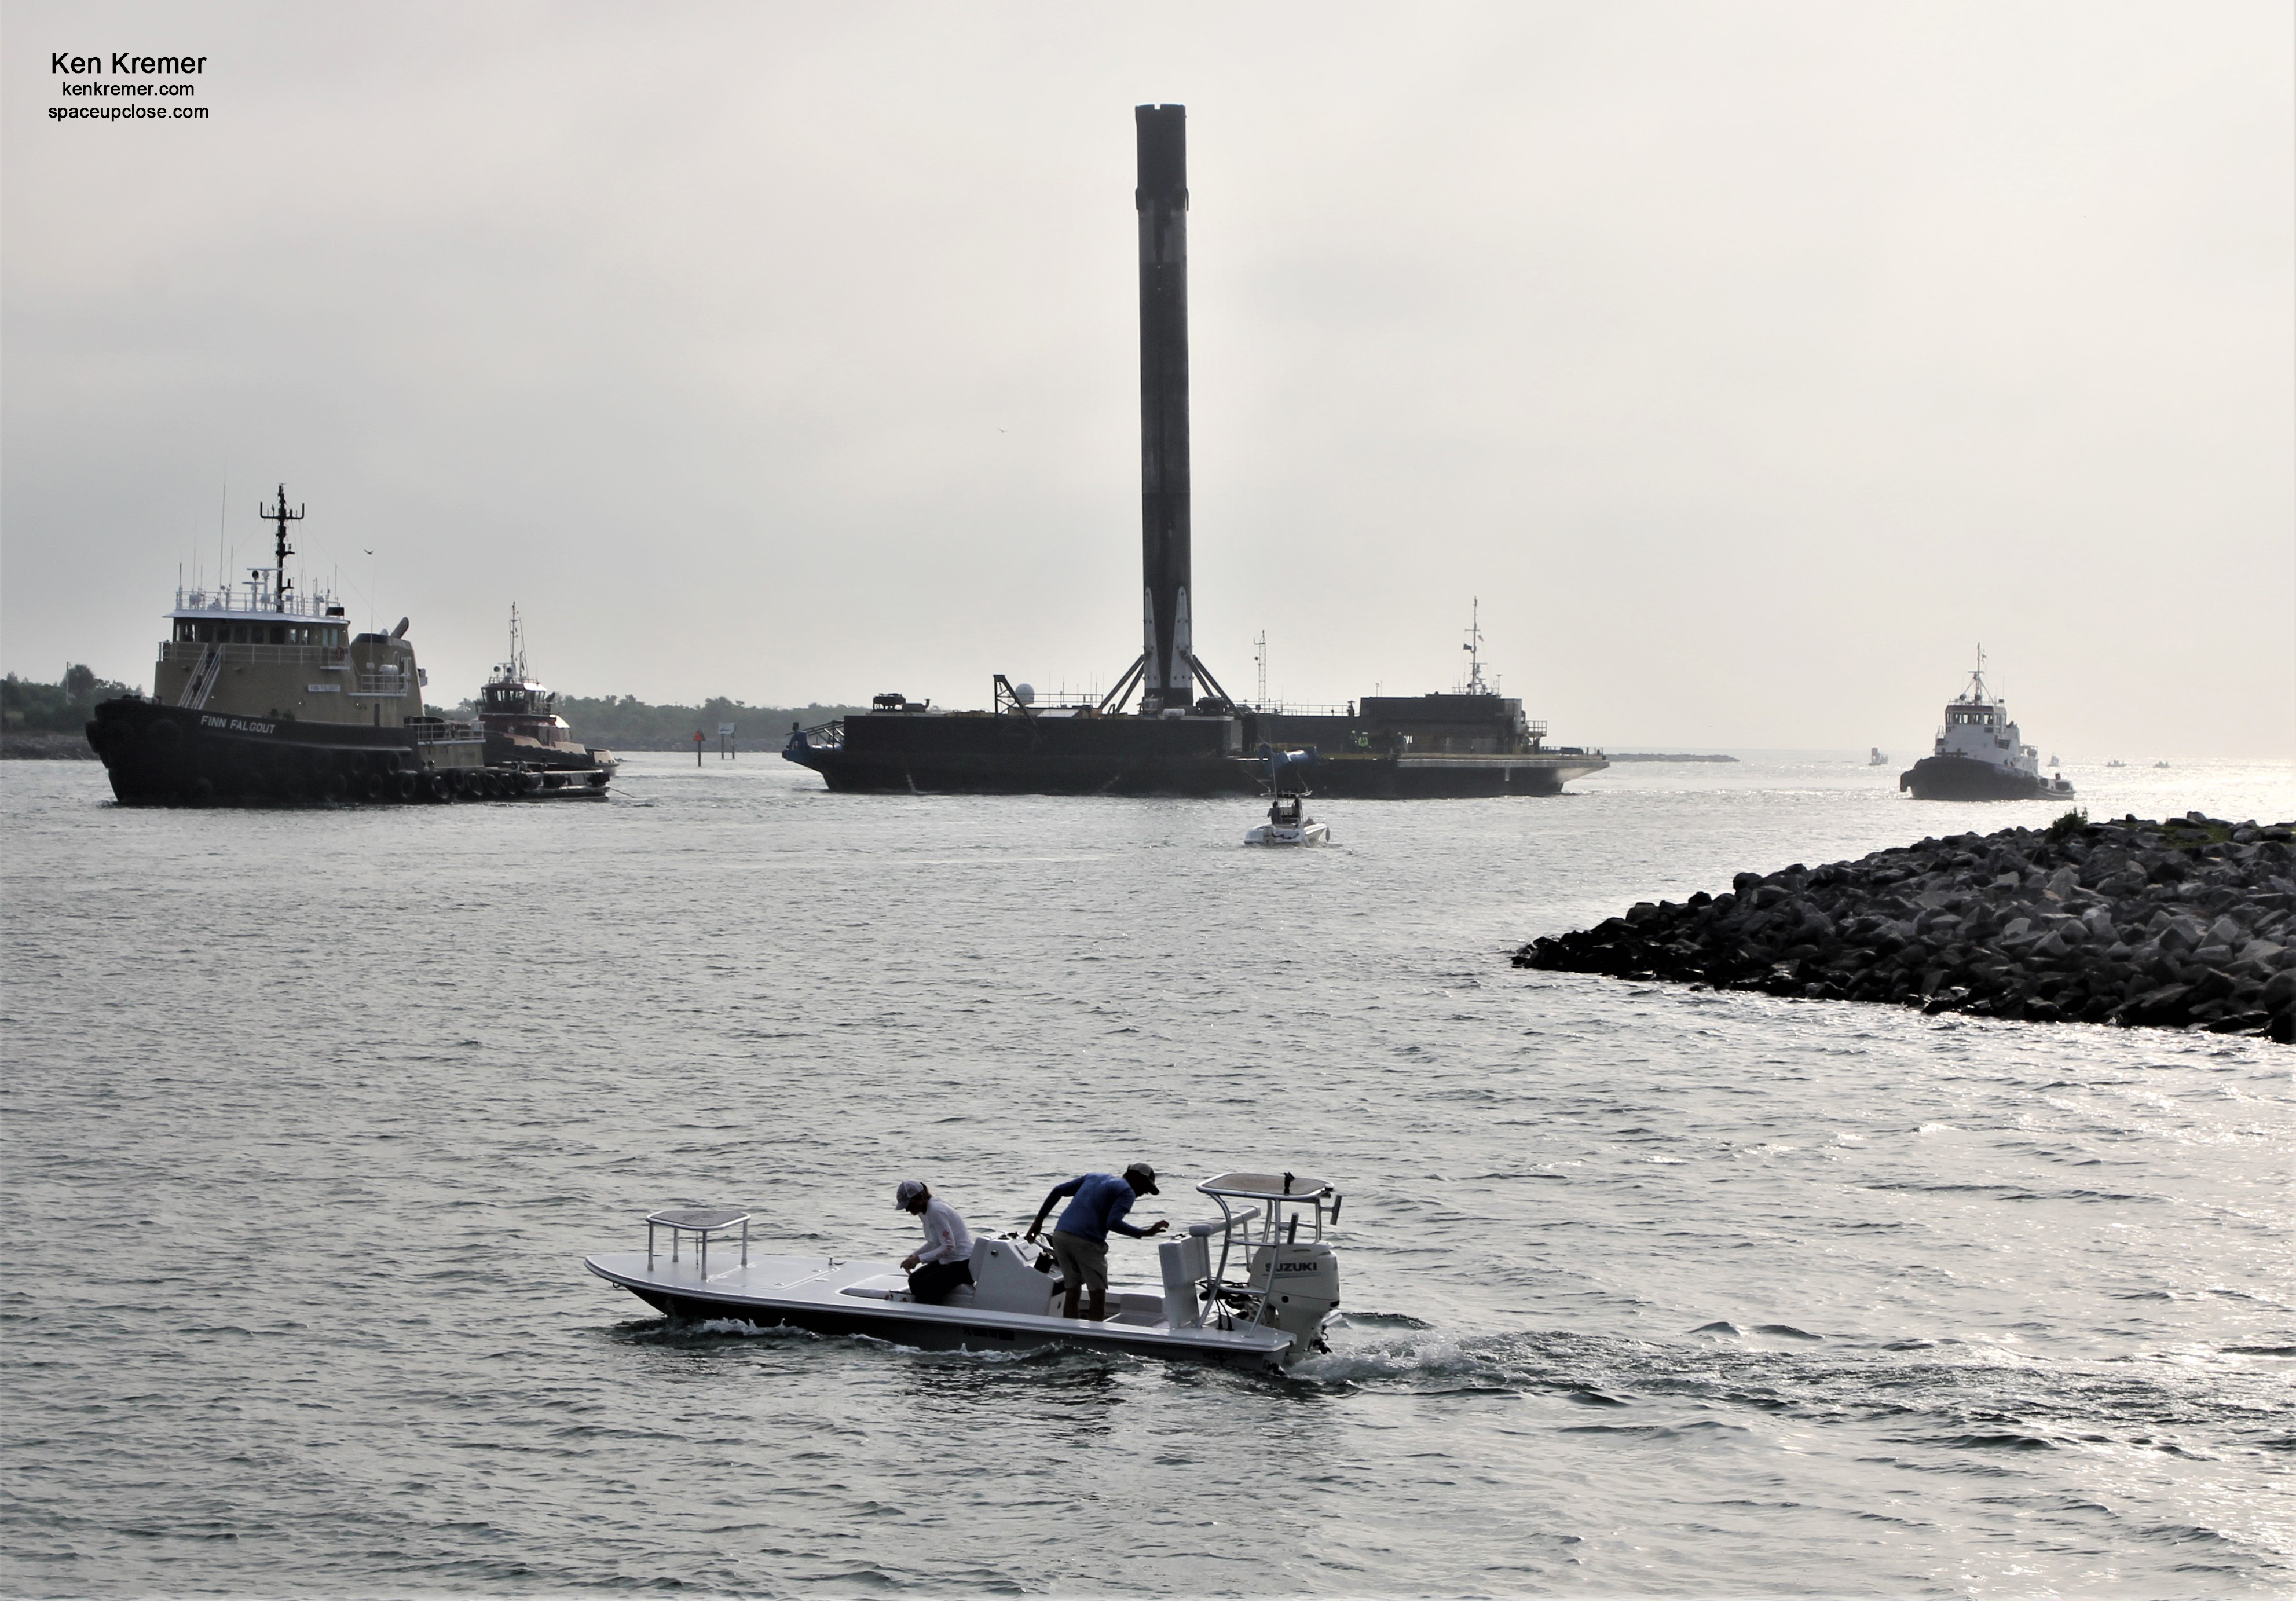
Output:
x=1243 y=1289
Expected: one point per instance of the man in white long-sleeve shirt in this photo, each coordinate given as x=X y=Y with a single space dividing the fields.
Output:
x=945 y=1260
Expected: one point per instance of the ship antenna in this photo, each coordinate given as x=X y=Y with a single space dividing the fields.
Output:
x=281 y=516
x=517 y=647
x=1474 y=649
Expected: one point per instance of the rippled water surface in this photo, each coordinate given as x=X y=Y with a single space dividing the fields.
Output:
x=311 y=1116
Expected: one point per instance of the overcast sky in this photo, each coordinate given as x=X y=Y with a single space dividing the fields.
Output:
x=1751 y=363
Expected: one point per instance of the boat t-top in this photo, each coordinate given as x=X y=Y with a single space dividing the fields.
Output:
x=1253 y=1288
x=1288 y=822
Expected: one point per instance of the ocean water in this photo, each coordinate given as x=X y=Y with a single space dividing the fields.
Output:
x=309 y=1118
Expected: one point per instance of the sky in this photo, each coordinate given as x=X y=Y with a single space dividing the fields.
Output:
x=1748 y=366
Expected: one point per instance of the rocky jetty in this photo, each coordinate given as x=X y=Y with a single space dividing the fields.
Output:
x=2185 y=924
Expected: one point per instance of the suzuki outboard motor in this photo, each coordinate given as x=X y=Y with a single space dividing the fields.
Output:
x=1302 y=1291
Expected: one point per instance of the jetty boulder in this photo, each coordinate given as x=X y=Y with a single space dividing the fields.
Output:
x=2187 y=924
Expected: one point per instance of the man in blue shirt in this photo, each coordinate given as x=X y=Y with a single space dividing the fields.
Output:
x=1080 y=1238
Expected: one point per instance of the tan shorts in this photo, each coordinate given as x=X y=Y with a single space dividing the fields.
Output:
x=1083 y=1263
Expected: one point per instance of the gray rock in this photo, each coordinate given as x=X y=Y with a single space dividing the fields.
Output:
x=2131 y=922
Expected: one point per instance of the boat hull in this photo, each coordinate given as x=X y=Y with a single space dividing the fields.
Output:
x=1009 y=755
x=506 y=750
x=811 y=1293
x=156 y=755
x=1314 y=833
x=1959 y=778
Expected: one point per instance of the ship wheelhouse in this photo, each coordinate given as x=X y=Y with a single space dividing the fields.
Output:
x=522 y=709
x=1977 y=728
x=517 y=699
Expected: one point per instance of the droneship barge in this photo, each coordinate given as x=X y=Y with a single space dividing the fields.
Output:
x=1188 y=737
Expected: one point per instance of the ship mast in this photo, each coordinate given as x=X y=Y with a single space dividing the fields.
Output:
x=1474 y=649
x=281 y=516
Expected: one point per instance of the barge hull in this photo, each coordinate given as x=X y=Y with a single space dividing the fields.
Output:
x=1010 y=755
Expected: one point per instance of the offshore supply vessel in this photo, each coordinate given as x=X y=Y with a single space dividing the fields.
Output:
x=262 y=694
x=1188 y=736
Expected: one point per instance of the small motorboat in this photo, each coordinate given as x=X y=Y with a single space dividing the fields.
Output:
x=1243 y=1289
x=1877 y=756
x=2116 y=764
x=1288 y=822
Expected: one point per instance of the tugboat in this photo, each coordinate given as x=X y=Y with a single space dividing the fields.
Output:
x=1980 y=755
x=263 y=695
x=523 y=728
x=1288 y=822
x=1877 y=758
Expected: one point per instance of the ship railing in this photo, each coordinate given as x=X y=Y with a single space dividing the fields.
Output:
x=244 y=600
x=439 y=731
x=330 y=658
x=382 y=684
x=822 y=736
x=1295 y=709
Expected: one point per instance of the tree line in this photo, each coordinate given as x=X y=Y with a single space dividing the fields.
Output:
x=64 y=707
x=615 y=722
x=625 y=723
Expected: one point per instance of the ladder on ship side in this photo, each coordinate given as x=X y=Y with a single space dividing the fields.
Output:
x=202 y=684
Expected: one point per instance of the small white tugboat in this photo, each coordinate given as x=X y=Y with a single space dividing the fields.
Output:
x=1288 y=822
x=1980 y=754
x=1878 y=758
x=1243 y=1289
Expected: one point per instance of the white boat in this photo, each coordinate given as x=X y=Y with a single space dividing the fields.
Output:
x=1980 y=754
x=1244 y=1289
x=1877 y=759
x=1288 y=822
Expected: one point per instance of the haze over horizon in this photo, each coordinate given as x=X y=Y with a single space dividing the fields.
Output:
x=1750 y=365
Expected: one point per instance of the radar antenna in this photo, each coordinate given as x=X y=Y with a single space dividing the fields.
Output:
x=281 y=516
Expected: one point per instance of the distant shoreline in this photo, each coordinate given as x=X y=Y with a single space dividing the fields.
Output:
x=40 y=745
x=1660 y=756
